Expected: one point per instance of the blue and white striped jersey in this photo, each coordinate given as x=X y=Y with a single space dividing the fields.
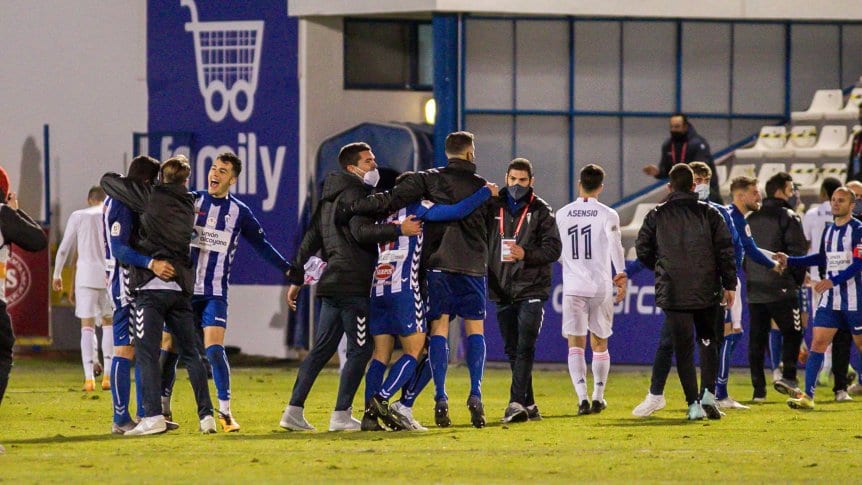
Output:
x=218 y=225
x=841 y=254
x=120 y=223
x=398 y=261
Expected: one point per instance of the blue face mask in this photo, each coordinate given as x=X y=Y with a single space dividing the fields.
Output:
x=517 y=192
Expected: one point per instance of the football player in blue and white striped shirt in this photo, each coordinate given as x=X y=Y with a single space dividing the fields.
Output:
x=841 y=254
x=220 y=221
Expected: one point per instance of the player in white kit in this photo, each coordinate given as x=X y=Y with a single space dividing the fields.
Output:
x=590 y=232
x=84 y=234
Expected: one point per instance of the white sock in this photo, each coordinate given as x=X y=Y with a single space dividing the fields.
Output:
x=601 y=367
x=224 y=406
x=578 y=372
x=827 y=360
x=88 y=336
x=107 y=348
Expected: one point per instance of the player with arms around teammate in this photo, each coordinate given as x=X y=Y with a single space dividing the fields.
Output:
x=220 y=220
x=523 y=244
x=398 y=308
x=593 y=261
x=84 y=235
x=841 y=255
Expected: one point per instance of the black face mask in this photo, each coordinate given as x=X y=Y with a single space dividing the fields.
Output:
x=517 y=192
x=677 y=136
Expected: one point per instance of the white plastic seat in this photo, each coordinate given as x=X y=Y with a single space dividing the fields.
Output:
x=843 y=151
x=807 y=175
x=632 y=228
x=850 y=112
x=771 y=138
x=767 y=170
x=831 y=138
x=738 y=170
x=801 y=136
x=837 y=170
x=825 y=101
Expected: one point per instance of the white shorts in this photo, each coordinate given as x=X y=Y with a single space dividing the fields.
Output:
x=92 y=303
x=582 y=313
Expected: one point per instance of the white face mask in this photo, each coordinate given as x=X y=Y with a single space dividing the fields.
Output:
x=702 y=191
x=371 y=178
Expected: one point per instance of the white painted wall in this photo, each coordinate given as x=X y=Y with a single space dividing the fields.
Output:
x=725 y=9
x=80 y=67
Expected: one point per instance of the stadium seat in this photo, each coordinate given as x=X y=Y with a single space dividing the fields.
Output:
x=807 y=175
x=842 y=152
x=832 y=137
x=850 y=112
x=837 y=170
x=826 y=102
x=802 y=136
x=770 y=138
x=767 y=170
x=631 y=230
x=738 y=170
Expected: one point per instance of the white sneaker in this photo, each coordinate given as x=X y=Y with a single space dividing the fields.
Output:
x=400 y=408
x=650 y=404
x=208 y=425
x=855 y=389
x=730 y=403
x=293 y=419
x=776 y=374
x=842 y=396
x=344 y=421
x=152 y=425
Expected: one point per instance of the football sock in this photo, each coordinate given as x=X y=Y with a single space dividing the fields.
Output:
x=578 y=372
x=88 y=339
x=121 y=388
x=812 y=368
x=827 y=360
x=373 y=379
x=775 y=347
x=221 y=371
x=728 y=344
x=476 y=362
x=399 y=374
x=107 y=348
x=601 y=367
x=421 y=378
x=168 y=362
x=438 y=354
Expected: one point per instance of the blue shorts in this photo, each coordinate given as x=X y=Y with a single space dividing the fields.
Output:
x=838 y=319
x=210 y=311
x=455 y=295
x=121 y=326
x=400 y=313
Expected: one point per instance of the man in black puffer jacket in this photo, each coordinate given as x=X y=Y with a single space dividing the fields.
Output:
x=773 y=296
x=349 y=249
x=688 y=245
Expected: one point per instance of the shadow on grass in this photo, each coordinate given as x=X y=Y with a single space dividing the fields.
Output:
x=62 y=439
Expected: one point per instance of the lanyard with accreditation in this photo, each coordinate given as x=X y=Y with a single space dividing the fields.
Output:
x=507 y=243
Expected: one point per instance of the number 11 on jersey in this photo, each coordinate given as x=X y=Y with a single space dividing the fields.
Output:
x=585 y=232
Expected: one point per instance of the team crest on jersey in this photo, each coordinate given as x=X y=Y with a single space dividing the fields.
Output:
x=211 y=221
x=115 y=229
x=384 y=272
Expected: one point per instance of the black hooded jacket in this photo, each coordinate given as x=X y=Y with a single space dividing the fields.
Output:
x=777 y=228
x=166 y=226
x=349 y=248
x=688 y=245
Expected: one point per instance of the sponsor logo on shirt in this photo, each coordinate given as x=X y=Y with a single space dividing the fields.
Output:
x=384 y=272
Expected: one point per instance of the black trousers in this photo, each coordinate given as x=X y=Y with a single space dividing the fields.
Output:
x=841 y=344
x=7 y=342
x=520 y=323
x=154 y=309
x=339 y=315
x=787 y=316
x=682 y=326
x=663 y=360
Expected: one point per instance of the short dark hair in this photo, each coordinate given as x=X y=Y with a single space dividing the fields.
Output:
x=349 y=154
x=681 y=115
x=96 y=193
x=521 y=164
x=459 y=141
x=176 y=170
x=742 y=183
x=681 y=178
x=777 y=182
x=592 y=176
x=233 y=160
x=829 y=185
x=701 y=169
x=143 y=169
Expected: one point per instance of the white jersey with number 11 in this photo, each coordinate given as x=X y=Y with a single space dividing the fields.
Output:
x=590 y=232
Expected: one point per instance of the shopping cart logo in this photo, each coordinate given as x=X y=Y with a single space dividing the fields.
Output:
x=227 y=57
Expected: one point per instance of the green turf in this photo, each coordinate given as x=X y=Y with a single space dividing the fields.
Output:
x=53 y=432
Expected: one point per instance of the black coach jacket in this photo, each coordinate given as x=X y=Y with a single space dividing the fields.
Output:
x=166 y=226
x=688 y=245
x=458 y=246
x=776 y=227
x=540 y=238
x=349 y=247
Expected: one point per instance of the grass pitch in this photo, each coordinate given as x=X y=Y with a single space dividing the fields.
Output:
x=55 y=433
